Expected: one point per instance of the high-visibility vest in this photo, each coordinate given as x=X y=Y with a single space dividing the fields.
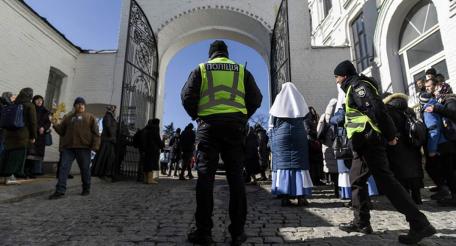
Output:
x=222 y=87
x=355 y=121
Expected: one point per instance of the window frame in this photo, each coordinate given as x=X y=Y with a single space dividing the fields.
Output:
x=360 y=45
x=53 y=87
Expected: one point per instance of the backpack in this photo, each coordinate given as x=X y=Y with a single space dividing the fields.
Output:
x=12 y=117
x=449 y=129
x=415 y=129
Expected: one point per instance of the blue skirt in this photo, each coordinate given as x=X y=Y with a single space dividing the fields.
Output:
x=294 y=183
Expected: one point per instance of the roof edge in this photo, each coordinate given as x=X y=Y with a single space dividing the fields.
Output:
x=51 y=26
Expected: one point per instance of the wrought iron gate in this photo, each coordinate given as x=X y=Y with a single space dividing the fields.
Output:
x=280 y=51
x=139 y=90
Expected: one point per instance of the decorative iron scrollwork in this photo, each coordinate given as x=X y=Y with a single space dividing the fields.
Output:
x=138 y=89
x=280 y=51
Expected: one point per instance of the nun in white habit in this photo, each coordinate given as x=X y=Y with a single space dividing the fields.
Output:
x=290 y=152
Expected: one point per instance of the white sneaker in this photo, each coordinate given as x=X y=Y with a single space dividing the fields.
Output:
x=11 y=180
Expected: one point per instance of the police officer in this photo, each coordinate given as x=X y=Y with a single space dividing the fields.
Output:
x=369 y=129
x=220 y=95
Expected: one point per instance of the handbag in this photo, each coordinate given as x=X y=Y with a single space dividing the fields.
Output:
x=48 y=138
x=341 y=146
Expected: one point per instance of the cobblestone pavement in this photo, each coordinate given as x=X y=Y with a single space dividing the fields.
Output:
x=128 y=213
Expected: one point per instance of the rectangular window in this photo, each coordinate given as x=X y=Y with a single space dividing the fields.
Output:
x=362 y=52
x=425 y=49
x=53 y=88
x=441 y=68
x=327 y=5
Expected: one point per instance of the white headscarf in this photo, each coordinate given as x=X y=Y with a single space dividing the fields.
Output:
x=340 y=97
x=289 y=103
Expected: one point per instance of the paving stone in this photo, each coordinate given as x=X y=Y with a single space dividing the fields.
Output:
x=129 y=213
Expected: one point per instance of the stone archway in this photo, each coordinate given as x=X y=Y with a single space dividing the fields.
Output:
x=147 y=53
x=247 y=21
x=188 y=30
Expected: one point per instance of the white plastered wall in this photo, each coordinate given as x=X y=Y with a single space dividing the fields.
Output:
x=386 y=39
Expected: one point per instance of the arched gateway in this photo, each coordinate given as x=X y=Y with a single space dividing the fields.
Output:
x=152 y=32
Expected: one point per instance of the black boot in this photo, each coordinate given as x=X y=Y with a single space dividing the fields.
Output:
x=56 y=195
x=85 y=192
x=415 y=236
x=302 y=201
x=441 y=194
x=199 y=237
x=286 y=202
x=238 y=239
x=355 y=227
x=448 y=202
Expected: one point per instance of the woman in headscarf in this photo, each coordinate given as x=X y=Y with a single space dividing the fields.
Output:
x=18 y=140
x=404 y=158
x=35 y=154
x=104 y=160
x=290 y=156
x=251 y=160
x=315 y=153
x=5 y=100
x=326 y=136
x=344 y=165
x=150 y=146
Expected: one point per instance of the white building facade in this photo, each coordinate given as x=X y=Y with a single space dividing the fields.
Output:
x=394 y=41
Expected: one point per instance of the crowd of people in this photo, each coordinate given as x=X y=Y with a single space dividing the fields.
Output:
x=24 y=133
x=364 y=144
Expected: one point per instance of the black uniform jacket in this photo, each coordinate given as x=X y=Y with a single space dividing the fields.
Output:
x=190 y=97
x=364 y=98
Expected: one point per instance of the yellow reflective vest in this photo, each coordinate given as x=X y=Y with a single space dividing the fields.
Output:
x=222 y=87
x=355 y=121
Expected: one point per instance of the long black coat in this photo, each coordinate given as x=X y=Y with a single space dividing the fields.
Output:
x=251 y=160
x=150 y=146
x=188 y=140
x=263 y=149
x=404 y=158
x=109 y=128
x=36 y=151
x=175 y=148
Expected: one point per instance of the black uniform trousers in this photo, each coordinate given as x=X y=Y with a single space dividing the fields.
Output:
x=228 y=141
x=447 y=160
x=371 y=158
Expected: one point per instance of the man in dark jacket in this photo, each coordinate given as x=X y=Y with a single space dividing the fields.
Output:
x=221 y=95
x=447 y=109
x=188 y=146
x=80 y=136
x=369 y=127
